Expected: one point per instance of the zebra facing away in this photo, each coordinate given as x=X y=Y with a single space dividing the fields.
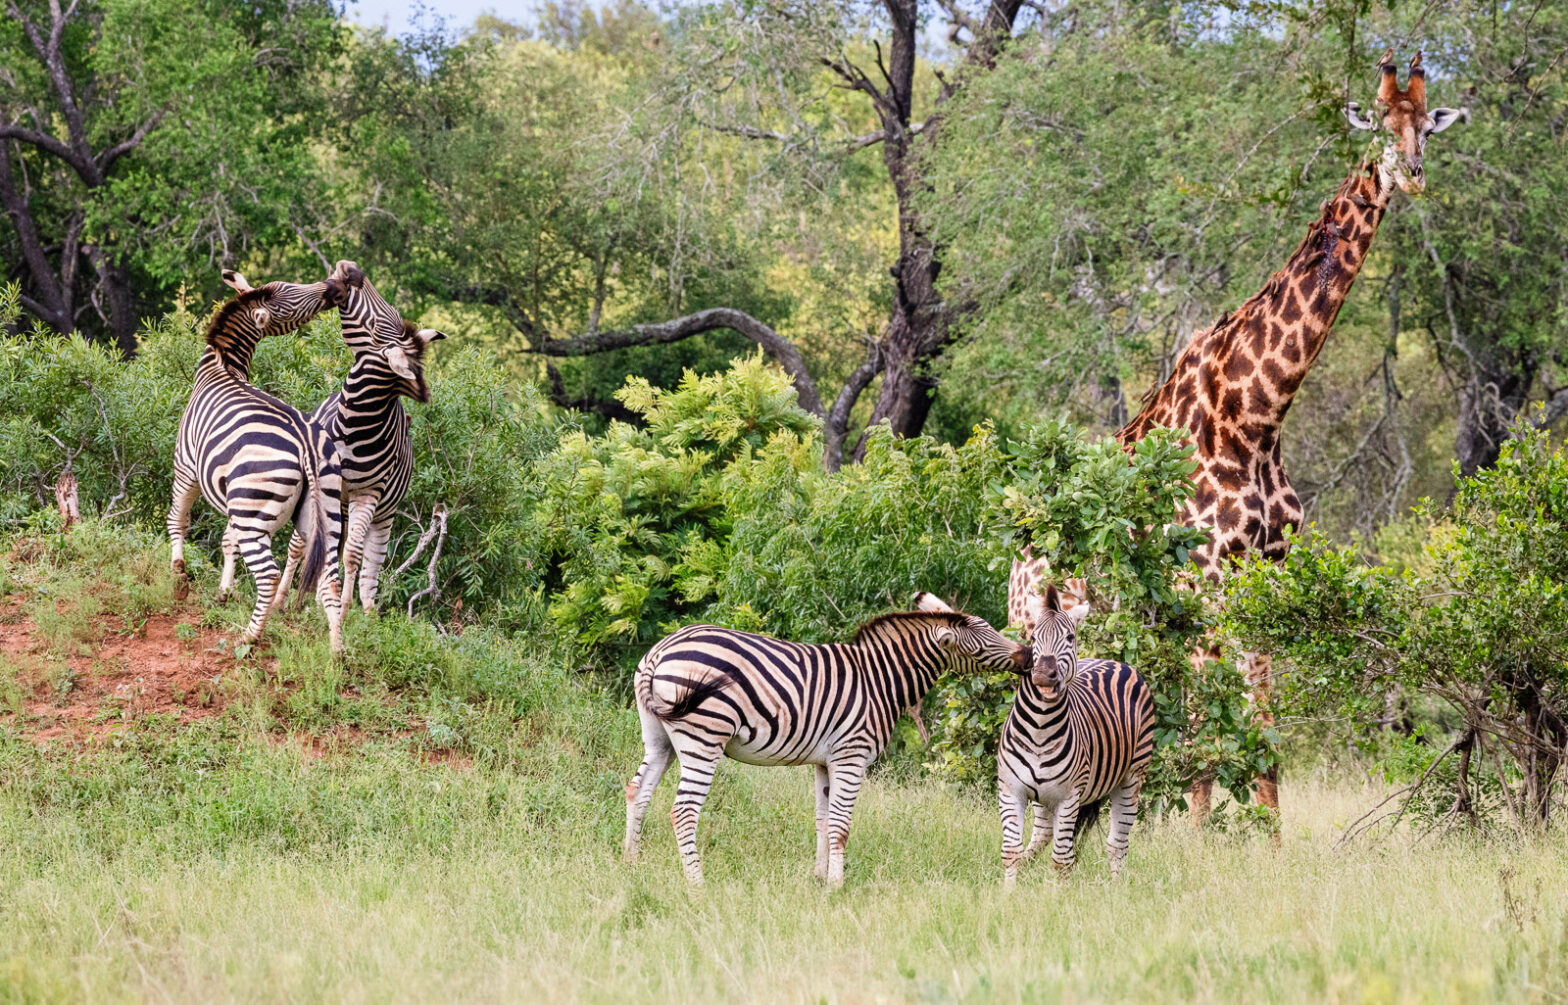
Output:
x=1080 y=732
x=705 y=692
x=256 y=458
x=367 y=422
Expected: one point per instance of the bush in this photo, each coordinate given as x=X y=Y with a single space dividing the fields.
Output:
x=1480 y=626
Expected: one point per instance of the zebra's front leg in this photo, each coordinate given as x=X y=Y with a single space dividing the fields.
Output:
x=1066 y=825
x=290 y=565
x=1012 y=803
x=822 y=787
x=178 y=522
x=256 y=549
x=231 y=551
x=360 y=510
x=1124 y=813
x=844 y=782
x=699 y=760
x=639 y=791
x=376 y=542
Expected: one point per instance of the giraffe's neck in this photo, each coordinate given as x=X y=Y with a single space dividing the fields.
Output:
x=1246 y=368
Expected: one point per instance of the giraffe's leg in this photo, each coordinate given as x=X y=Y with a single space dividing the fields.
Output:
x=1200 y=799
x=231 y=551
x=1044 y=821
x=699 y=757
x=1013 y=804
x=178 y=522
x=657 y=751
x=1258 y=669
x=376 y=541
x=360 y=510
x=1124 y=813
x=845 y=777
x=822 y=787
x=256 y=549
x=1063 y=853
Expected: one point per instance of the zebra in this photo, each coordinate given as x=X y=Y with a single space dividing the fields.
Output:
x=367 y=422
x=1079 y=732
x=255 y=458
x=705 y=692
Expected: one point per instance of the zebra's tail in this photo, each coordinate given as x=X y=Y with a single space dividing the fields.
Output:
x=697 y=691
x=313 y=522
x=1088 y=815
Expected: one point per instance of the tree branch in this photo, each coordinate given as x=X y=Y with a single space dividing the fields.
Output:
x=783 y=352
x=42 y=141
x=610 y=409
x=838 y=417
x=119 y=150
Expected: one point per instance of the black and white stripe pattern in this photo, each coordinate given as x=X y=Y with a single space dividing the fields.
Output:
x=256 y=458
x=706 y=692
x=1080 y=732
x=366 y=420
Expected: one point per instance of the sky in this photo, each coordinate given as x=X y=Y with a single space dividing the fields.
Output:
x=398 y=15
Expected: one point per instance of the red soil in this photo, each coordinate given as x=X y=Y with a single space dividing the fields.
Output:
x=127 y=676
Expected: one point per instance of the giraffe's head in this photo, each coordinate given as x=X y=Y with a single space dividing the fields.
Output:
x=1402 y=123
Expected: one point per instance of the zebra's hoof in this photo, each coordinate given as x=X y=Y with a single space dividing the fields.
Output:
x=223 y=597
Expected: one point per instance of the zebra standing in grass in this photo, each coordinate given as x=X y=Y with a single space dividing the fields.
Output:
x=1080 y=732
x=255 y=458
x=705 y=692
x=371 y=430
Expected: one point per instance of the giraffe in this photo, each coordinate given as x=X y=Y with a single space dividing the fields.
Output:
x=1234 y=382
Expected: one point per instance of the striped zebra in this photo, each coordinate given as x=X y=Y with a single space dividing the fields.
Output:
x=1080 y=732
x=705 y=692
x=256 y=458
x=367 y=422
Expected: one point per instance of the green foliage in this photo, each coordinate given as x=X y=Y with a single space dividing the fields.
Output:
x=1481 y=626
x=636 y=517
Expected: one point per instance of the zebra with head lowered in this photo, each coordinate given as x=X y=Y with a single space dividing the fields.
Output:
x=706 y=692
x=367 y=422
x=256 y=458
x=1080 y=732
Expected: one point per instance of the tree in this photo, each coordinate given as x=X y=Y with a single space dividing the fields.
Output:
x=139 y=138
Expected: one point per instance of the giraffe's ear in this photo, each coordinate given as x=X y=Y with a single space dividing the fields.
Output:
x=1356 y=119
x=236 y=282
x=931 y=602
x=1442 y=118
x=1079 y=611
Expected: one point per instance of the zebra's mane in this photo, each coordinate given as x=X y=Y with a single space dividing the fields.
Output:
x=954 y=618
x=225 y=315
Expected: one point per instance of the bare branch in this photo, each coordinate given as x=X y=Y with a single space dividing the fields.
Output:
x=775 y=345
x=838 y=418
x=119 y=150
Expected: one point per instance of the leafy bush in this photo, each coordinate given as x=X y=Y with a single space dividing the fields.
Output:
x=1480 y=626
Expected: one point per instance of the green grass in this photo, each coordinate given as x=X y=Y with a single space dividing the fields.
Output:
x=227 y=860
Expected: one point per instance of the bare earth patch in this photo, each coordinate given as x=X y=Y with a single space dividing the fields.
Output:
x=125 y=676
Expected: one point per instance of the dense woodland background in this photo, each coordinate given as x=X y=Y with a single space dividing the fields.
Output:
x=774 y=312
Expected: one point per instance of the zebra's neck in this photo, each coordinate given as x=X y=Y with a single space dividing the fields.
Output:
x=1039 y=721
x=904 y=659
x=233 y=360
x=371 y=387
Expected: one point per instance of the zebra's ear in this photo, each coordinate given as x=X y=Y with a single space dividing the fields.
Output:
x=931 y=602
x=236 y=282
x=397 y=359
x=1053 y=600
x=262 y=316
x=945 y=637
x=429 y=335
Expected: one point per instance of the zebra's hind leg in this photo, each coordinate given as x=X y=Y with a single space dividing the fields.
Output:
x=1013 y=805
x=1063 y=852
x=375 y=554
x=329 y=594
x=639 y=791
x=1044 y=822
x=178 y=522
x=699 y=759
x=231 y=551
x=823 y=788
x=256 y=549
x=845 y=777
x=1124 y=813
